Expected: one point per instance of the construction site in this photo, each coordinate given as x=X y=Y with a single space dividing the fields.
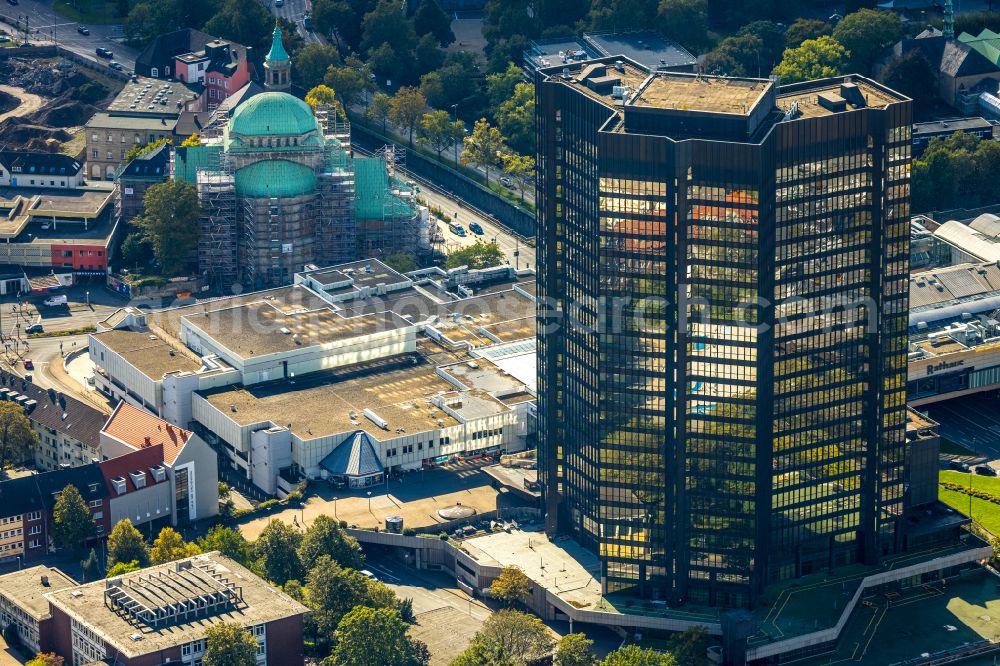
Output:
x=281 y=190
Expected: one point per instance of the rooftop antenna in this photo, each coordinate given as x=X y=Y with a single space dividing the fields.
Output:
x=948 y=26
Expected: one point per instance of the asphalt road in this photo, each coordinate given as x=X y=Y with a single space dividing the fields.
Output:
x=45 y=25
x=972 y=421
x=295 y=11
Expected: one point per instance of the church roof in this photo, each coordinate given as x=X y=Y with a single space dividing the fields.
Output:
x=277 y=51
x=355 y=456
x=273 y=114
x=275 y=178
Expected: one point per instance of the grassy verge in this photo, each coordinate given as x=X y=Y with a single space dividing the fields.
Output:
x=985 y=513
x=103 y=12
x=988 y=484
x=954 y=448
x=63 y=334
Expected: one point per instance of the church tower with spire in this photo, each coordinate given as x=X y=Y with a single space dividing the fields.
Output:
x=277 y=65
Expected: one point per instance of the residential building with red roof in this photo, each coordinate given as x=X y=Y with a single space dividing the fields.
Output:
x=191 y=465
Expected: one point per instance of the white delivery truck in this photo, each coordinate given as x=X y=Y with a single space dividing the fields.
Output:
x=53 y=301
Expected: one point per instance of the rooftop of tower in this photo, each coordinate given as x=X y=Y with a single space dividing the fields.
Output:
x=683 y=104
x=693 y=92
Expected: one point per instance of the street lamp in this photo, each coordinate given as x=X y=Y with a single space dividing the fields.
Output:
x=335 y=509
x=370 y=502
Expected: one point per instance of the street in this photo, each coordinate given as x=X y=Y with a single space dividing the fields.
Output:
x=972 y=421
x=47 y=26
x=295 y=11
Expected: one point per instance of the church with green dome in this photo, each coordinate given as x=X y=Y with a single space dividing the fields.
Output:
x=280 y=190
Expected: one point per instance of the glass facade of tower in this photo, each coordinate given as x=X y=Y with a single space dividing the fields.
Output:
x=722 y=325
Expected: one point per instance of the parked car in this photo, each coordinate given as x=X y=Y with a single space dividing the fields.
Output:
x=365 y=572
x=83 y=30
x=53 y=301
x=955 y=465
x=307 y=22
x=475 y=228
x=506 y=181
x=103 y=52
x=985 y=470
x=116 y=65
x=28 y=364
x=456 y=229
x=34 y=328
x=279 y=3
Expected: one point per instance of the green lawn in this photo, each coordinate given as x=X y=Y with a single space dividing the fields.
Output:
x=990 y=484
x=89 y=11
x=985 y=513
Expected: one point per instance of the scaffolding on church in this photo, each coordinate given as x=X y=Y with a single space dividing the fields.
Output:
x=216 y=185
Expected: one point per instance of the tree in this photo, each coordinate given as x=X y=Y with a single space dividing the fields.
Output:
x=519 y=168
x=865 y=34
x=500 y=86
x=385 y=26
x=126 y=544
x=245 y=22
x=428 y=54
x=347 y=83
x=813 y=59
x=192 y=141
x=516 y=118
x=90 y=92
x=342 y=19
x=122 y=568
x=148 y=19
x=689 y=646
x=227 y=541
x=46 y=659
x=277 y=547
x=379 y=110
x=170 y=224
x=633 y=655
x=144 y=149
x=72 y=522
x=429 y=19
x=685 y=21
x=909 y=74
x=229 y=644
x=17 y=439
x=406 y=110
x=772 y=44
x=134 y=250
x=333 y=591
x=311 y=63
x=483 y=146
x=326 y=537
x=438 y=132
x=91 y=567
x=401 y=262
x=622 y=15
x=477 y=255
x=508 y=637
x=374 y=637
x=511 y=586
x=169 y=546
x=575 y=650
x=322 y=97
x=735 y=56
x=805 y=28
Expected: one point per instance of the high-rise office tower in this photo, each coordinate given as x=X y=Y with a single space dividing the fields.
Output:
x=722 y=325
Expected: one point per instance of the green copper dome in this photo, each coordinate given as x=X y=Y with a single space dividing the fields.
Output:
x=275 y=178
x=277 y=51
x=273 y=114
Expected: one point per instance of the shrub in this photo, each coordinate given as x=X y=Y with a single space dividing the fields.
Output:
x=268 y=504
x=409 y=531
